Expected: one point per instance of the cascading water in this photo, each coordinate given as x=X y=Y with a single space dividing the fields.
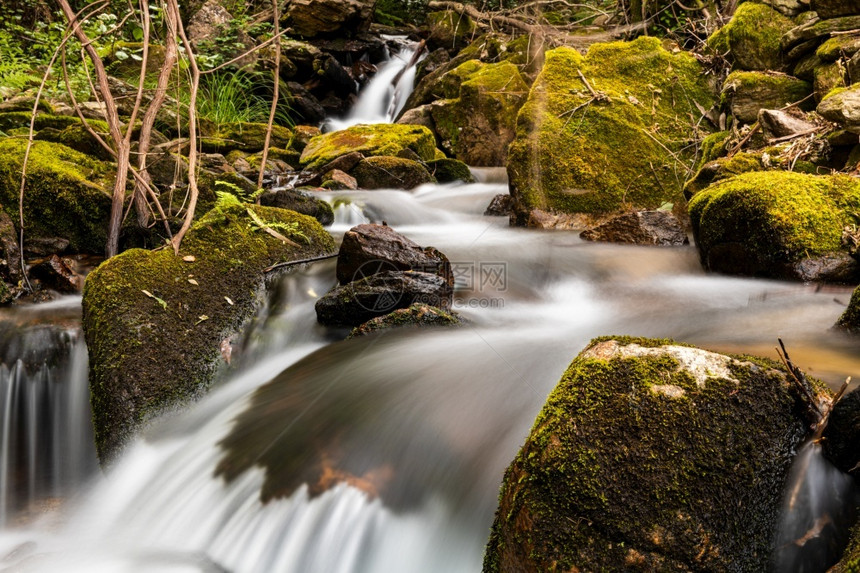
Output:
x=46 y=442
x=384 y=96
x=385 y=453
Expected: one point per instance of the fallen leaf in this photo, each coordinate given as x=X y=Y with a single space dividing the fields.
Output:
x=189 y=258
x=155 y=298
x=201 y=318
x=194 y=282
x=229 y=300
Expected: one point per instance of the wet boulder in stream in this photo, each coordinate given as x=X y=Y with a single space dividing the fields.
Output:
x=651 y=456
x=640 y=228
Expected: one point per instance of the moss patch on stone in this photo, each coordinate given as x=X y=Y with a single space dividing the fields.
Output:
x=417 y=316
x=370 y=140
x=850 y=319
x=751 y=38
x=151 y=353
x=748 y=92
x=722 y=168
x=244 y=136
x=643 y=461
x=67 y=193
x=14 y=119
x=573 y=154
x=477 y=124
x=771 y=219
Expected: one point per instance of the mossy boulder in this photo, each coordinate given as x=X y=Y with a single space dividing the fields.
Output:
x=369 y=140
x=384 y=172
x=842 y=106
x=244 y=136
x=418 y=315
x=748 y=92
x=650 y=456
x=450 y=30
x=849 y=321
x=722 y=168
x=777 y=224
x=158 y=326
x=751 y=38
x=15 y=119
x=80 y=139
x=478 y=124
x=449 y=170
x=627 y=148
x=826 y=78
x=67 y=193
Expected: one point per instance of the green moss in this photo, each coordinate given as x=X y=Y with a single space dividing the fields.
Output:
x=634 y=465
x=722 y=168
x=775 y=217
x=244 y=136
x=713 y=147
x=748 y=92
x=385 y=172
x=78 y=138
x=370 y=140
x=576 y=155
x=67 y=193
x=13 y=119
x=752 y=37
x=448 y=170
x=850 y=319
x=417 y=315
x=850 y=562
x=401 y=11
x=839 y=46
x=145 y=357
x=288 y=156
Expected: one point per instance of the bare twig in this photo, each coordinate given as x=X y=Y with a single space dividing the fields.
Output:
x=275 y=94
x=298 y=262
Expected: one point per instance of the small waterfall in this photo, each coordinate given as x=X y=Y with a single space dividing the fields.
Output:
x=46 y=443
x=384 y=96
x=817 y=513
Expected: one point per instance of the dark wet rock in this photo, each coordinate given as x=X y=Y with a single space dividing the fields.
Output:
x=335 y=76
x=749 y=92
x=418 y=315
x=311 y=18
x=778 y=123
x=166 y=168
x=337 y=180
x=305 y=104
x=181 y=309
x=834 y=8
x=651 y=456
x=45 y=246
x=500 y=206
x=300 y=202
x=805 y=37
x=55 y=274
x=777 y=224
x=359 y=301
x=450 y=170
x=434 y=60
x=640 y=228
x=369 y=249
x=842 y=435
x=391 y=173
x=10 y=251
x=420 y=115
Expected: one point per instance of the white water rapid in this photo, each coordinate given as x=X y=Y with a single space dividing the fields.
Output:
x=384 y=96
x=442 y=412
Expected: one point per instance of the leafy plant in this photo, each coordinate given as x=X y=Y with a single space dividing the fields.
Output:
x=16 y=69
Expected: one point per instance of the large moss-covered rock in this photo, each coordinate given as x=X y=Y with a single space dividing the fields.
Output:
x=575 y=153
x=158 y=326
x=16 y=119
x=751 y=38
x=748 y=92
x=244 y=136
x=478 y=124
x=650 y=456
x=369 y=140
x=777 y=224
x=383 y=172
x=67 y=193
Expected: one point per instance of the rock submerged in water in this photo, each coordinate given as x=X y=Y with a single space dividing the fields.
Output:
x=500 y=206
x=640 y=228
x=418 y=315
x=651 y=456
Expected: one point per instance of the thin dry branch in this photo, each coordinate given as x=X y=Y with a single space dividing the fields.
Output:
x=276 y=78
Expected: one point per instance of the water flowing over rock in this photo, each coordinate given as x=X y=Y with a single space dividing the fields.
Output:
x=585 y=144
x=142 y=305
x=650 y=456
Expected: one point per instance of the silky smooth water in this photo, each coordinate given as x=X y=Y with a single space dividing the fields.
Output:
x=423 y=421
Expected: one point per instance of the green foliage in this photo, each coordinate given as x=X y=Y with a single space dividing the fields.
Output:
x=16 y=69
x=232 y=97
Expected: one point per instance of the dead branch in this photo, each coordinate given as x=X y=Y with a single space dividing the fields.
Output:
x=495 y=18
x=802 y=384
x=192 y=127
x=275 y=95
x=299 y=262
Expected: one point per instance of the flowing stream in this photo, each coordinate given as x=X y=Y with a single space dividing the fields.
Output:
x=420 y=424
